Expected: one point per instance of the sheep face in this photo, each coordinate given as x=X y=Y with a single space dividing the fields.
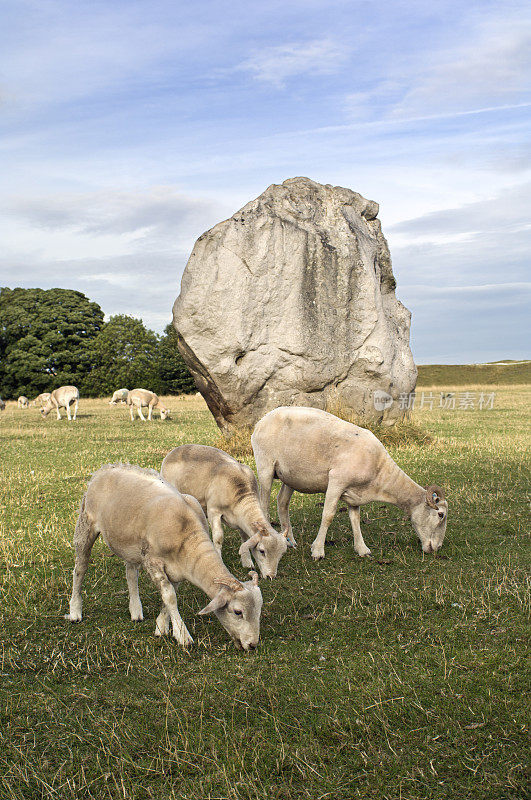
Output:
x=429 y=524
x=267 y=549
x=239 y=613
x=165 y=413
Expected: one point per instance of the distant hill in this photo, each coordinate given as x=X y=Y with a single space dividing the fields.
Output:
x=494 y=372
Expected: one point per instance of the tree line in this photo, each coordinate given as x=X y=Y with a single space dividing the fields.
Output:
x=53 y=337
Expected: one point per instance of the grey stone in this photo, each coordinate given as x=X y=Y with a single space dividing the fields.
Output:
x=292 y=301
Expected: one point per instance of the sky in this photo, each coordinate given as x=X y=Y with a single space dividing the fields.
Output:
x=128 y=128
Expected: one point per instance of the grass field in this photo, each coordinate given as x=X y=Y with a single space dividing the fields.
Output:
x=398 y=677
x=505 y=373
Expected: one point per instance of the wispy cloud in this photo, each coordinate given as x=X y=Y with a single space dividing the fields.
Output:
x=159 y=216
x=506 y=213
x=275 y=65
x=494 y=66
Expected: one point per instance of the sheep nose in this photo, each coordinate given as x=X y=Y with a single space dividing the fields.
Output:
x=251 y=646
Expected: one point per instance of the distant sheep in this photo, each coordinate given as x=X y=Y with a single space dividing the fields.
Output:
x=22 y=402
x=312 y=451
x=143 y=398
x=62 y=398
x=120 y=396
x=228 y=491
x=148 y=523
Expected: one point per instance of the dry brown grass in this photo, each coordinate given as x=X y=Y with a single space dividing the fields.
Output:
x=403 y=432
x=237 y=443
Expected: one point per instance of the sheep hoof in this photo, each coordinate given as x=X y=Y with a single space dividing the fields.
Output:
x=73 y=617
x=364 y=553
x=162 y=628
x=317 y=555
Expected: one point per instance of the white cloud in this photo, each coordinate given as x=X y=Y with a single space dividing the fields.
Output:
x=155 y=218
x=276 y=64
x=492 y=68
x=507 y=213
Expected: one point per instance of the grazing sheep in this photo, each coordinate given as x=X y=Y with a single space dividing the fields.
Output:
x=120 y=396
x=22 y=402
x=148 y=523
x=41 y=399
x=228 y=492
x=62 y=398
x=143 y=398
x=2 y=405
x=312 y=451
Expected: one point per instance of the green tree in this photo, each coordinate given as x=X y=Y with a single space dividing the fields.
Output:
x=124 y=354
x=44 y=335
x=173 y=373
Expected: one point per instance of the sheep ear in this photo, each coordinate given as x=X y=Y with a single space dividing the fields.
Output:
x=252 y=542
x=219 y=601
x=260 y=529
x=434 y=495
x=254 y=577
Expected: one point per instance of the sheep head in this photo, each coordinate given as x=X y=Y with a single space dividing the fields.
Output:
x=267 y=547
x=238 y=607
x=429 y=517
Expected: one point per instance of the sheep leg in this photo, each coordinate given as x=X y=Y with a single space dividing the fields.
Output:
x=76 y=403
x=214 y=520
x=84 y=537
x=162 y=625
x=150 y=412
x=139 y=409
x=266 y=473
x=333 y=493
x=68 y=411
x=156 y=571
x=283 y=499
x=359 y=545
x=132 y=412
x=58 y=413
x=135 y=605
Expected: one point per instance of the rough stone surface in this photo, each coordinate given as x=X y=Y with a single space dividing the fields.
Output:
x=292 y=301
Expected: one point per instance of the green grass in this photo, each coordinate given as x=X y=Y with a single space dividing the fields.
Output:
x=504 y=373
x=402 y=676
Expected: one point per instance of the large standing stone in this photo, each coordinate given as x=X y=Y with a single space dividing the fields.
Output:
x=292 y=301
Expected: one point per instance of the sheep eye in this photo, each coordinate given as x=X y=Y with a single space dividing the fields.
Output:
x=238 y=613
x=261 y=550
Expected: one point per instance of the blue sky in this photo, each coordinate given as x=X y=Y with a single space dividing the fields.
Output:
x=129 y=128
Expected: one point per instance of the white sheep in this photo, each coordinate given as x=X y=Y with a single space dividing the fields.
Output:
x=228 y=492
x=143 y=398
x=41 y=399
x=22 y=402
x=312 y=451
x=62 y=397
x=148 y=523
x=120 y=396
